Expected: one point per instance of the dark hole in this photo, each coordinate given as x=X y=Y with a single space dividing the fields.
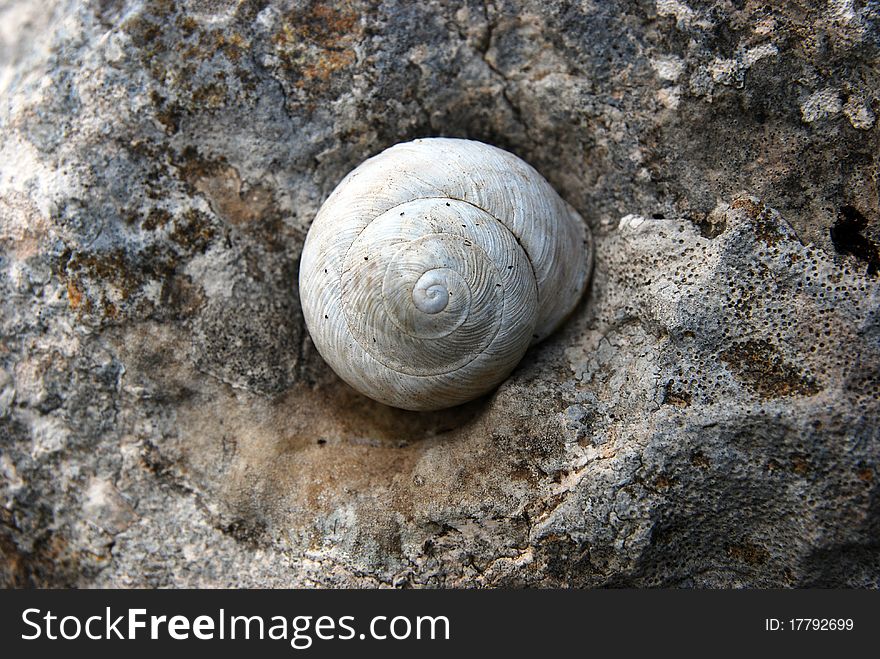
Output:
x=846 y=234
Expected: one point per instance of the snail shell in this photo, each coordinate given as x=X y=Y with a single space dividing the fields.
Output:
x=434 y=265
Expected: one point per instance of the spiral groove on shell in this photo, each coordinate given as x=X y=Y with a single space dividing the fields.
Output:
x=433 y=266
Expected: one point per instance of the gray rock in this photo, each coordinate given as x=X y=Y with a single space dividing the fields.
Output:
x=708 y=417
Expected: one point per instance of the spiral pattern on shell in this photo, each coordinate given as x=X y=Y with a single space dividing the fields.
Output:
x=434 y=265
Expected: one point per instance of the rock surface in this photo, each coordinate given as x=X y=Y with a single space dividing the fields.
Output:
x=710 y=416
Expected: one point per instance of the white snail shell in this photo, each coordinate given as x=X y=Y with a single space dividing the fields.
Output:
x=434 y=265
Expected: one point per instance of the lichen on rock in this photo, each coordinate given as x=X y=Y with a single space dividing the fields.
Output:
x=708 y=417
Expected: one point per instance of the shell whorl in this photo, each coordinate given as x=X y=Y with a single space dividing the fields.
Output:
x=433 y=266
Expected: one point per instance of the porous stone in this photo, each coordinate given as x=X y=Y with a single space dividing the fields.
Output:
x=709 y=416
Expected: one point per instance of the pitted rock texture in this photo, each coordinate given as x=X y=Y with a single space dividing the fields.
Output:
x=710 y=415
